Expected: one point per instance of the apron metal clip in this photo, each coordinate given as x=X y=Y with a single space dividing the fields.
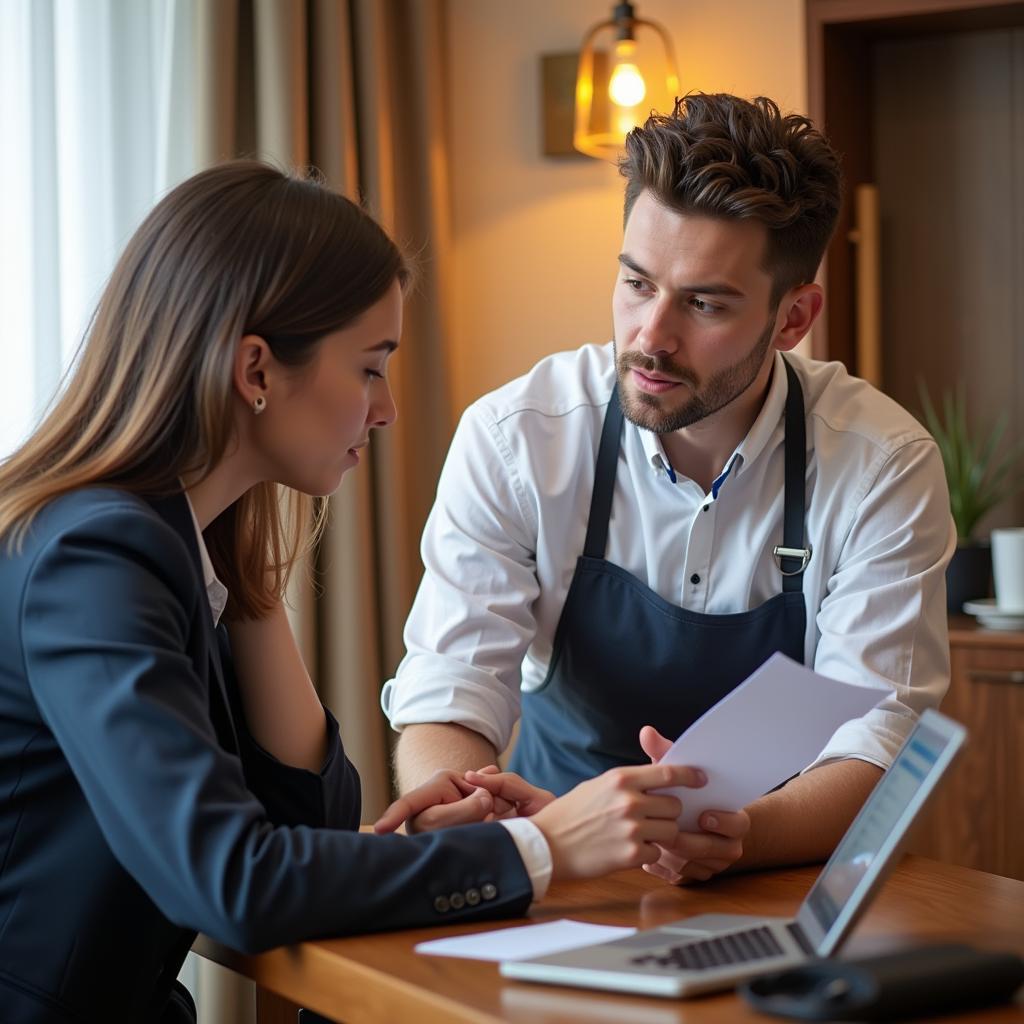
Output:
x=780 y=552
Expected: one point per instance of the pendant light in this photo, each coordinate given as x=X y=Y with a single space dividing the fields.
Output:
x=626 y=70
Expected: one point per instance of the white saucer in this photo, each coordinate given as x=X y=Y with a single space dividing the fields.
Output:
x=993 y=617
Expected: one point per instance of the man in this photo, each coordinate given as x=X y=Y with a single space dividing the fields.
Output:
x=609 y=581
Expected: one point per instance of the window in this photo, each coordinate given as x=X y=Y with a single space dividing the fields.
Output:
x=96 y=105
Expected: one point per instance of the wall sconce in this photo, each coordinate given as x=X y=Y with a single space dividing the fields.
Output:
x=626 y=69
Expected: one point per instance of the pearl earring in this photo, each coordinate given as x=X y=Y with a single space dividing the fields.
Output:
x=259 y=403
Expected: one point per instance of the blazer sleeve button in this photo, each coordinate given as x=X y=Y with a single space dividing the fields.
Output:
x=488 y=891
x=472 y=897
x=457 y=901
x=441 y=904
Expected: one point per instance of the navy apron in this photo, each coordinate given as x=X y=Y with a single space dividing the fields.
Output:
x=624 y=657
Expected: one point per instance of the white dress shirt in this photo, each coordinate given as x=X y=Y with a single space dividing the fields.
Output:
x=216 y=592
x=530 y=841
x=501 y=543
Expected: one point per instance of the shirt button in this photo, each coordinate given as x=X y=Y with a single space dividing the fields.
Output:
x=441 y=904
x=695 y=579
x=705 y=508
x=488 y=891
x=457 y=901
x=472 y=897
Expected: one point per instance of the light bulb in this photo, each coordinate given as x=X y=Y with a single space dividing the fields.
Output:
x=627 y=87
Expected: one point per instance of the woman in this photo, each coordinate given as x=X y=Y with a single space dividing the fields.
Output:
x=156 y=779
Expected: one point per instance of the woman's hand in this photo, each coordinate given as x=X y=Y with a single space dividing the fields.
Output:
x=696 y=856
x=463 y=802
x=513 y=795
x=612 y=822
x=485 y=795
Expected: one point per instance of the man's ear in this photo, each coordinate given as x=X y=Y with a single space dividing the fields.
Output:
x=798 y=309
x=252 y=360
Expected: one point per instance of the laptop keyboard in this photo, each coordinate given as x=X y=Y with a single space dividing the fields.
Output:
x=753 y=944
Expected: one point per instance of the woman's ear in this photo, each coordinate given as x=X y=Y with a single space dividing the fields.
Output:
x=801 y=307
x=252 y=361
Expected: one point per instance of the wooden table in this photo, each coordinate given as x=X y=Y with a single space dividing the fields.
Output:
x=379 y=978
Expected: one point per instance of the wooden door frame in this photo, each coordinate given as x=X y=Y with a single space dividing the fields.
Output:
x=839 y=38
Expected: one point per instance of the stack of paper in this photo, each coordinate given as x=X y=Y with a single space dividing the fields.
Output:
x=526 y=942
x=771 y=727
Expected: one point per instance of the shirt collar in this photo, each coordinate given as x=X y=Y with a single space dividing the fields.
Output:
x=768 y=422
x=216 y=592
x=654 y=450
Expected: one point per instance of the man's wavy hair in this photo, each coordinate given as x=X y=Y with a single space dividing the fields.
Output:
x=721 y=156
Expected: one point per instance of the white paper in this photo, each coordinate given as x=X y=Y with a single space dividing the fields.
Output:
x=772 y=726
x=523 y=943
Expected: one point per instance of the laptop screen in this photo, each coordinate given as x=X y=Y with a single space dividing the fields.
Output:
x=870 y=841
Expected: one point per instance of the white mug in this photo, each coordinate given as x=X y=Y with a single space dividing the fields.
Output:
x=1008 y=568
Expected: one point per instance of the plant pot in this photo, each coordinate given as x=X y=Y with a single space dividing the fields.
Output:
x=968 y=575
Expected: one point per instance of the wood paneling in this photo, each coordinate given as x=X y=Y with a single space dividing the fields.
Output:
x=926 y=99
x=946 y=129
x=917 y=16
x=274 y=1009
x=839 y=101
x=977 y=818
x=840 y=37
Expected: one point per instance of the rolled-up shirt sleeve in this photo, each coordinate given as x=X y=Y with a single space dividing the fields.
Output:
x=472 y=620
x=884 y=617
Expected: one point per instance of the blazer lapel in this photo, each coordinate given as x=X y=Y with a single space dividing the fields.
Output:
x=175 y=511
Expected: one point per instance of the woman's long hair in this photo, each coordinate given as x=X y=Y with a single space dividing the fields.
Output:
x=238 y=249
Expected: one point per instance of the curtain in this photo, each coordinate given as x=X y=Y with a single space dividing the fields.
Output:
x=356 y=89
x=96 y=124
x=91 y=139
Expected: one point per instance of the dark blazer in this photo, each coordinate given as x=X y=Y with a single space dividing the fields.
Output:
x=135 y=807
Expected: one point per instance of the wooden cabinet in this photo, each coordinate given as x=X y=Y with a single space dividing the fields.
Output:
x=977 y=817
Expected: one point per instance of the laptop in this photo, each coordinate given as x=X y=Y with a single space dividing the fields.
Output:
x=711 y=952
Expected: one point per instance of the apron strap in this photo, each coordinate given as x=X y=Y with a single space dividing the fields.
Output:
x=604 y=479
x=792 y=555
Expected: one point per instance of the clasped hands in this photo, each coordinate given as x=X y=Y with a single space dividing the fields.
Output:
x=610 y=822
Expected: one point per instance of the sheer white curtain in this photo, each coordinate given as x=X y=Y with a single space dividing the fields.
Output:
x=95 y=124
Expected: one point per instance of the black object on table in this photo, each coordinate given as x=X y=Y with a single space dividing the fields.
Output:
x=922 y=981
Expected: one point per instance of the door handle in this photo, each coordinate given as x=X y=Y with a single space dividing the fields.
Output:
x=994 y=676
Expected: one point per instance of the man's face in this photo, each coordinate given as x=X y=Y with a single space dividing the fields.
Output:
x=693 y=325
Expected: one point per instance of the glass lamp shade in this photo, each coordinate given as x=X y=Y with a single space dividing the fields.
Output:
x=626 y=70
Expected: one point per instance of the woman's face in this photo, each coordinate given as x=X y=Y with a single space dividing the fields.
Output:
x=319 y=416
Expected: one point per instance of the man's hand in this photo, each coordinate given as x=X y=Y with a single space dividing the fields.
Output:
x=696 y=856
x=425 y=749
x=446 y=798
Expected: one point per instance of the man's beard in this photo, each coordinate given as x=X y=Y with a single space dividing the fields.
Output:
x=723 y=387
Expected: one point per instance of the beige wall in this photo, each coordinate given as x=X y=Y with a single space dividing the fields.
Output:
x=536 y=238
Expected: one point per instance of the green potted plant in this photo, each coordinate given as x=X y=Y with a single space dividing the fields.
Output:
x=979 y=478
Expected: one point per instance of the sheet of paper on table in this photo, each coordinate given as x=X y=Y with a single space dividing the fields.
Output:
x=524 y=942
x=771 y=727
